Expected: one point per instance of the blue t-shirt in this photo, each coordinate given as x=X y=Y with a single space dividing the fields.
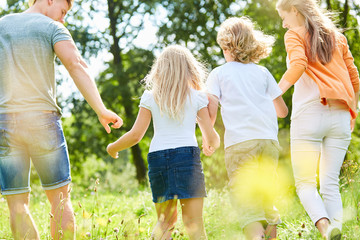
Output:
x=27 y=62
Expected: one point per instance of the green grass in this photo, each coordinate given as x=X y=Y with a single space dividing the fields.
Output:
x=102 y=214
x=121 y=209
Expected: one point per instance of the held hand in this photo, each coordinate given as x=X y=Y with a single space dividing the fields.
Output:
x=207 y=150
x=108 y=117
x=111 y=152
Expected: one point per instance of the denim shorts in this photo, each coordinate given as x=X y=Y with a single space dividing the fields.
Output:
x=37 y=136
x=176 y=174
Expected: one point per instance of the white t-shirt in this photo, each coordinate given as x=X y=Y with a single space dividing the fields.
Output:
x=170 y=132
x=306 y=93
x=246 y=93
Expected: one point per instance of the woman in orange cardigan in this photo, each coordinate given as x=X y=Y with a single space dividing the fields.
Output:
x=325 y=98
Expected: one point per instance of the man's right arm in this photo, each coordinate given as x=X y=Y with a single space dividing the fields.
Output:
x=70 y=57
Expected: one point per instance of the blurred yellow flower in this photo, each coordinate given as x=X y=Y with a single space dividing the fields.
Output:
x=86 y=215
x=101 y=221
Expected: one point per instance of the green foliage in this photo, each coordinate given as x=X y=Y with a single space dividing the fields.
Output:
x=348 y=21
x=14 y=6
x=194 y=24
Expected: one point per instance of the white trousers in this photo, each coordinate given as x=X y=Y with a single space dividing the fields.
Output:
x=320 y=136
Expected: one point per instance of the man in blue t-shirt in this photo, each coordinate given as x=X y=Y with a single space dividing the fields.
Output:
x=30 y=125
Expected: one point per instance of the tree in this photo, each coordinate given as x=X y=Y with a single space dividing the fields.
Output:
x=119 y=84
x=348 y=21
x=13 y=6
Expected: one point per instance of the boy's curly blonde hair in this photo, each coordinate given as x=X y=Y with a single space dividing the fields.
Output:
x=245 y=44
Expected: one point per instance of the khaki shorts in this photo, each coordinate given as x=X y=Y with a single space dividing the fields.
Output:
x=251 y=167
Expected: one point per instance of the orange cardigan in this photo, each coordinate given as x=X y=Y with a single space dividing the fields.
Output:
x=338 y=79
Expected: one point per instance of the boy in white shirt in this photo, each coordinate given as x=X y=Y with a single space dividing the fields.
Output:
x=250 y=103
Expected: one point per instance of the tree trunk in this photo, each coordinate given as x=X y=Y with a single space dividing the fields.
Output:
x=115 y=48
x=139 y=163
x=125 y=92
x=345 y=14
x=328 y=4
x=135 y=150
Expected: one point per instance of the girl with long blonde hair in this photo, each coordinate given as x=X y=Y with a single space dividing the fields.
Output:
x=175 y=102
x=326 y=92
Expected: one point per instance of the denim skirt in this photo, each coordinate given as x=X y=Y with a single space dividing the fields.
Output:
x=176 y=174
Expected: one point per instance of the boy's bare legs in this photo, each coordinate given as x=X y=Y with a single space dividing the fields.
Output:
x=254 y=231
x=192 y=210
x=62 y=222
x=167 y=217
x=270 y=232
x=21 y=221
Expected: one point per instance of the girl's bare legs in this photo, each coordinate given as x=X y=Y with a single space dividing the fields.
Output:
x=192 y=210
x=254 y=231
x=167 y=217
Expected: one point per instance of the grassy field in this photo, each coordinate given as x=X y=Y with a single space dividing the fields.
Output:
x=121 y=209
x=102 y=214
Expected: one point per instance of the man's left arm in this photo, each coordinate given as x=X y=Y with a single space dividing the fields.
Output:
x=70 y=57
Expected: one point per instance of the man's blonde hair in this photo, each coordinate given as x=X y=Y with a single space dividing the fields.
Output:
x=245 y=44
x=70 y=2
x=172 y=75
